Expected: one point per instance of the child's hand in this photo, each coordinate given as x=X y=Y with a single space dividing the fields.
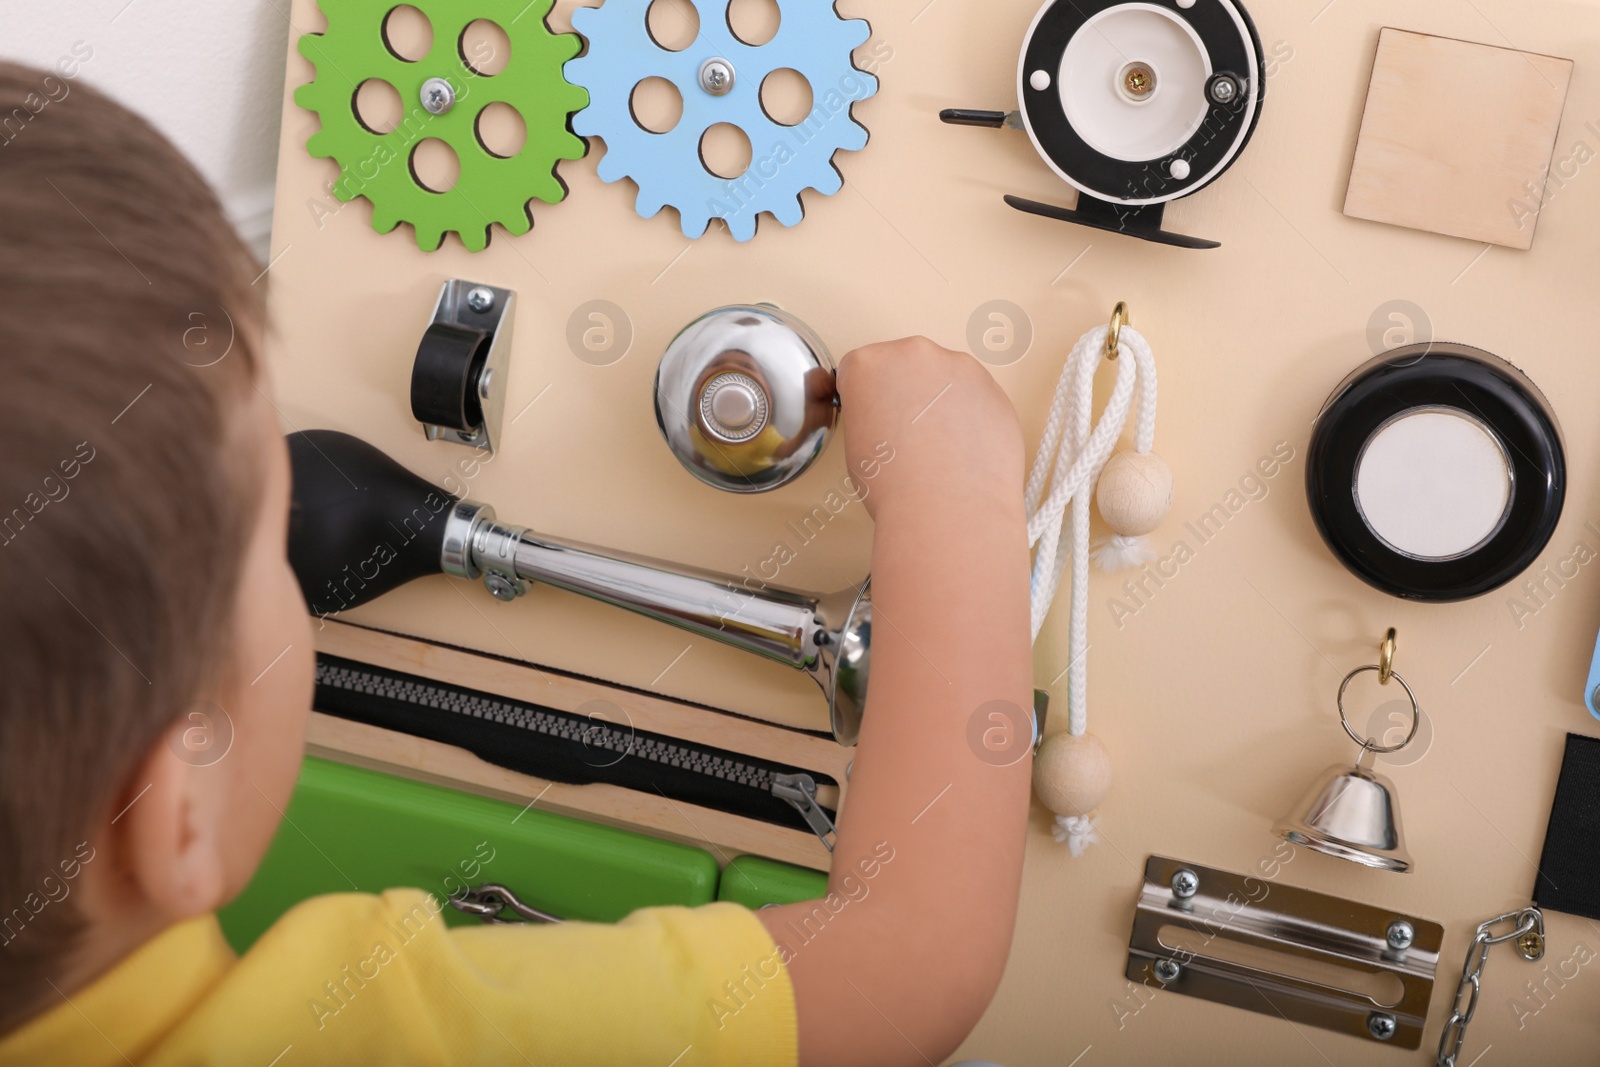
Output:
x=928 y=421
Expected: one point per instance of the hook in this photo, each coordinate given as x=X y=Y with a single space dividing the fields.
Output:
x=1119 y=319
x=1386 y=657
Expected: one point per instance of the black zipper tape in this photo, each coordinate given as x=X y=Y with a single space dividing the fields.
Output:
x=558 y=746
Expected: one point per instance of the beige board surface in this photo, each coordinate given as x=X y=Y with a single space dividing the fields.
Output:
x=1214 y=694
x=1457 y=137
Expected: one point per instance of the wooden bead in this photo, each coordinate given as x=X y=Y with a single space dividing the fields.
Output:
x=1134 y=493
x=1072 y=773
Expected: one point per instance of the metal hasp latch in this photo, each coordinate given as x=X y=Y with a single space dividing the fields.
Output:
x=458 y=380
x=494 y=903
x=1290 y=953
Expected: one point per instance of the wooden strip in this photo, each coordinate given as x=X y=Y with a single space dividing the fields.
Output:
x=567 y=693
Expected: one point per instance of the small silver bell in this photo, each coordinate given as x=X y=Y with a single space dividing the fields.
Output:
x=1350 y=811
x=746 y=397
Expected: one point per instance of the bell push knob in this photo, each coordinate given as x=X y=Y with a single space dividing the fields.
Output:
x=746 y=397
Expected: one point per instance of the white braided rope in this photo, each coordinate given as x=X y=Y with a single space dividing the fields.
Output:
x=1075 y=454
x=1144 y=427
x=1071 y=458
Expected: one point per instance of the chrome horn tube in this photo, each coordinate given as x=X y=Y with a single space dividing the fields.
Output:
x=827 y=637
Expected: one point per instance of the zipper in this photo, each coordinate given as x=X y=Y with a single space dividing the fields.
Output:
x=800 y=791
x=570 y=748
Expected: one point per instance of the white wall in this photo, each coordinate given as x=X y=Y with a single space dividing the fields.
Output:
x=208 y=73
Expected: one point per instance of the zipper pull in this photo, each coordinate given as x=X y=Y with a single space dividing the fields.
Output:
x=800 y=792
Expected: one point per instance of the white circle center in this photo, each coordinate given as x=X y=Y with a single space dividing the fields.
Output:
x=1433 y=483
x=1092 y=70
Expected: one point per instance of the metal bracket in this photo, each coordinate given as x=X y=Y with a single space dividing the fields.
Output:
x=458 y=379
x=1230 y=938
x=477 y=546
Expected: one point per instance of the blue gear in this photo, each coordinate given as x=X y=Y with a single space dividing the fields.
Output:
x=667 y=167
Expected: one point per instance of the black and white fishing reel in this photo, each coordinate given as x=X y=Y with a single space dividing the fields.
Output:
x=1134 y=105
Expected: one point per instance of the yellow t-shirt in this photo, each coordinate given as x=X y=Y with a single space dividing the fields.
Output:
x=358 y=979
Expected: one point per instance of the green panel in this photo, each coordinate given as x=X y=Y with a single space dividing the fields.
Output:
x=754 y=882
x=349 y=829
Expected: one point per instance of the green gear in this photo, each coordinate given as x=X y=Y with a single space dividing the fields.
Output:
x=491 y=189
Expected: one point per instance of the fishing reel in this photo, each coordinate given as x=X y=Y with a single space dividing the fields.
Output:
x=1134 y=105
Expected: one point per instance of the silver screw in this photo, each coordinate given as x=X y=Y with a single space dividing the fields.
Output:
x=480 y=300
x=1224 y=89
x=502 y=588
x=1381 y=1025
x=716 y=76
x=1185 y=884
x=1167 y=971
x=438 y=96
x=1401 y=935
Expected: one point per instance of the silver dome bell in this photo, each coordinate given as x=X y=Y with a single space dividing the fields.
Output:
x=746 y=397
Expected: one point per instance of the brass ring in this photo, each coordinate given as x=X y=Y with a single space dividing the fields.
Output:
x=1119 y=319
x=1386 y=658
x=1367 y=743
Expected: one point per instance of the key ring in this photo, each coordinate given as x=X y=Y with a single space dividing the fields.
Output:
x=1367 y=743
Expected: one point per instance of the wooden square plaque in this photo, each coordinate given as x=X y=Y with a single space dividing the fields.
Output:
x=1458 y=138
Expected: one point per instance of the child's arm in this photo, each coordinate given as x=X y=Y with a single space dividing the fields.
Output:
x=905 y=968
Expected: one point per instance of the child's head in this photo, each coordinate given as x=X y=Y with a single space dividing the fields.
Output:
x=156 y=648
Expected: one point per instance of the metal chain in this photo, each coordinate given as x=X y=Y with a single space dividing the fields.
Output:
x=491 y=902
x=1529 y=936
